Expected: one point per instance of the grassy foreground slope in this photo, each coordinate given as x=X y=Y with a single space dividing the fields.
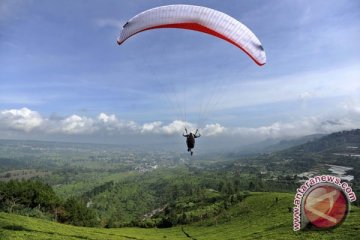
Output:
x=257 y=217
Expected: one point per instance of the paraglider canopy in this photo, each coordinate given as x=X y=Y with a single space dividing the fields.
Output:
x=200 y=19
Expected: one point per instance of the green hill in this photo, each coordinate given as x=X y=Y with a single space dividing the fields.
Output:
x=258 y=216
x=340 y=148
x=339 y=142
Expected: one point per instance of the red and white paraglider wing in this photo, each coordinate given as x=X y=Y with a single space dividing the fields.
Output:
x=200 y=19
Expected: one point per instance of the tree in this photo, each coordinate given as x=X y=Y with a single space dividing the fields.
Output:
x=29 y=194
x=229 y=189
x=237 y=185
x=78 y=214
x=12 y=203
x=252 y=186
x=221 y=186
x=165 y=223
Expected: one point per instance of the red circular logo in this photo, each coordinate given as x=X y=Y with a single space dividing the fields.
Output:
x=326 y=206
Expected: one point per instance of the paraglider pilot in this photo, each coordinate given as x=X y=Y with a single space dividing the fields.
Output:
x=190 y=139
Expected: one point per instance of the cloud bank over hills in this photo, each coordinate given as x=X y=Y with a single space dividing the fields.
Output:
x=26 y=123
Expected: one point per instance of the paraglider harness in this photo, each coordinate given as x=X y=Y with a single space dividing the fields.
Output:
x=190 y=139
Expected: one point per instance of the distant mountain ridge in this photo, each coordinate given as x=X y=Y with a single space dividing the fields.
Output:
x=273 y=145
x=344 y=141
x=339 y=148
x=315 y=155
x=284 y=144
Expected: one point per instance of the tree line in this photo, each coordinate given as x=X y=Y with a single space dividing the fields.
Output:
x=37 y=199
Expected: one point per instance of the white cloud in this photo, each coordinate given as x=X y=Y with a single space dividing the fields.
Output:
x=151 y=127
x=213 y=129
x=352 y=106
x=111 y=124
x=107 y=118
x=177 y=127
x=31 y=122
x=302 y=127
x=20 y=119
x=77 y=125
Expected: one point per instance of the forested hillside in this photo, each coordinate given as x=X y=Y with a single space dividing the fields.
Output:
x=259 y=216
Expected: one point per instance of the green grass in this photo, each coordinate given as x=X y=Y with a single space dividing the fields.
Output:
x=20 y=227
x=257 y=217
x=260 y=217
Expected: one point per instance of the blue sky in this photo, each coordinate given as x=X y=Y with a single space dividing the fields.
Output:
x=62 y=73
